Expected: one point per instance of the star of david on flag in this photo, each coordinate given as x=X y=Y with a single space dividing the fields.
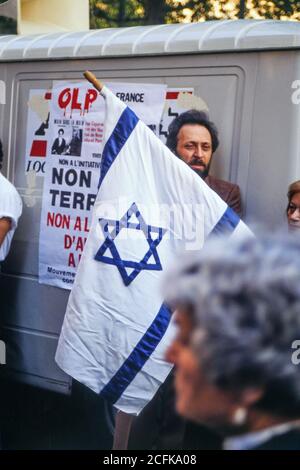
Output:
x=153 y=235
x=117 y=327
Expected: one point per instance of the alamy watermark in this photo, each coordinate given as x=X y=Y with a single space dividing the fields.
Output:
x=2 y=353
x=181 y=223
x=2 y=92
x=296 y=94
x=296 y=354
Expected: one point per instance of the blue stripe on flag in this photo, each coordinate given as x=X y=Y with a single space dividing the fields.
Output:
x=226 y=224
x=124 y=127
x=139 y=356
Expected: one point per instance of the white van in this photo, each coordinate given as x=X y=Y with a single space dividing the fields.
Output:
x=246 y=72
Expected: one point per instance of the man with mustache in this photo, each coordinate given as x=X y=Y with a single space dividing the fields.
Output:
x=194 y=139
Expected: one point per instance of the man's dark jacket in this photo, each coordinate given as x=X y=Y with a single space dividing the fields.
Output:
x=229 y=192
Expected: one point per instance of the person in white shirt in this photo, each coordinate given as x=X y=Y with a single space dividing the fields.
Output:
x=10 y=211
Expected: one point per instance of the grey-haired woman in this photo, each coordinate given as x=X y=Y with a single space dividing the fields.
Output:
x=237 y=347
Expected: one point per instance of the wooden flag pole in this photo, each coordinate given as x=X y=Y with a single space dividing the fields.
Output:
x=93 y=80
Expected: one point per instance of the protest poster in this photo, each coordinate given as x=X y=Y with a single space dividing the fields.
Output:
x=72 y=172
x=37 y=131
x=145 y=99
x=178 y=100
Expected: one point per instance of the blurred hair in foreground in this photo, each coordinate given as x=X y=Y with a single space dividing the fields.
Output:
x=244 y=299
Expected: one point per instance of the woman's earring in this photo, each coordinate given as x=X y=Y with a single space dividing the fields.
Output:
x=239 y=416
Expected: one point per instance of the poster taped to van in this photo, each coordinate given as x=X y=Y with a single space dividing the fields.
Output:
x=73 y=167
x=37 y=134
x=178 y=100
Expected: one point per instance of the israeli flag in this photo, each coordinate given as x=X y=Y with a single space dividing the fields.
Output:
x=150 y=206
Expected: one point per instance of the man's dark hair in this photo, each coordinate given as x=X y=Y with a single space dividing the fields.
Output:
x=191 y=117
x=61 y=130
x=1 y=154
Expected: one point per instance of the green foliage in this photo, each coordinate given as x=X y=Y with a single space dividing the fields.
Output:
x=7 y=26
x=115 y=13
x=275 y=9
x=108 y=13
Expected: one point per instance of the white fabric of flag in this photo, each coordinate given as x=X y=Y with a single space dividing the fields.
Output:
x=150 y=206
